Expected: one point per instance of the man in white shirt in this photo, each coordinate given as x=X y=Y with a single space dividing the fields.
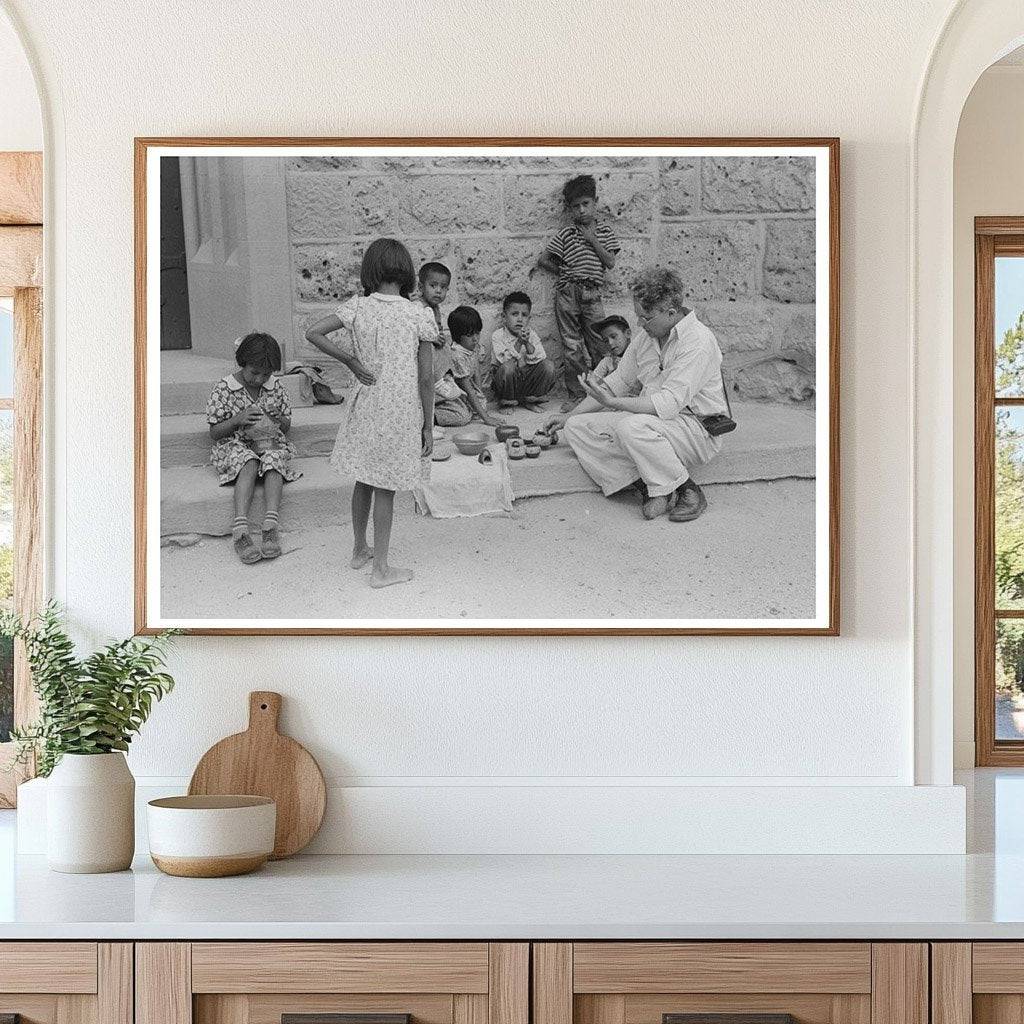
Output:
x=643 y=421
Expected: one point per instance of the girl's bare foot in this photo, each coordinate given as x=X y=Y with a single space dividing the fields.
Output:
x=361 y=556
x=390 y=576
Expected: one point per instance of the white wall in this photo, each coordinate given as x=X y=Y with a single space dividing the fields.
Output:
x=21 y=125
x=988 y=181
x=442 y=712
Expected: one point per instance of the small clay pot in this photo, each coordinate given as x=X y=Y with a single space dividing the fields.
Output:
x=532 y=451
x=542 y=440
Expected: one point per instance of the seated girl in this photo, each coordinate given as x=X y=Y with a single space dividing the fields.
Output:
x=249 y=415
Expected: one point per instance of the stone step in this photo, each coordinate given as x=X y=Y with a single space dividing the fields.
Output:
x=186 y=381
x=772 y=442
x=185 y=440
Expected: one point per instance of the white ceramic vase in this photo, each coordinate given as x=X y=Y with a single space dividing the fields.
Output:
x=90 y=814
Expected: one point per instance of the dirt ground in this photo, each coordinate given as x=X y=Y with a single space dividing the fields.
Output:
x=569 y=556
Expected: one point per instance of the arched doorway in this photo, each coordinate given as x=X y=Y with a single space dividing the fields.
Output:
x=976 y=34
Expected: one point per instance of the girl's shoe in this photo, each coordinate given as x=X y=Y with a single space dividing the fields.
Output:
x=271 y=543
x=247 y=550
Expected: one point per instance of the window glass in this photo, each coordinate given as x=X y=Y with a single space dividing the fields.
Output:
x=1009 y=510
x=1009 y=326
x=1009 y=679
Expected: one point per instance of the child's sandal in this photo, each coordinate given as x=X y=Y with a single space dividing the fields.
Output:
x=271 y=543
x=247 y=550
x=515 y=448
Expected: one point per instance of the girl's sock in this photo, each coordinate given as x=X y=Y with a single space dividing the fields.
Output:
x=270 y=521
x=240 y=527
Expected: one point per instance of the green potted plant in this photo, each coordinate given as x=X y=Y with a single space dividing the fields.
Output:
x=89 y=710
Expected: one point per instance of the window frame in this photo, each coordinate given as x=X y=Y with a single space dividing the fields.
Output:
x=21 y=263
x=993 y=237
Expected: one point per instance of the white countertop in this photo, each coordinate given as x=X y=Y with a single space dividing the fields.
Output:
x=532 y=897
x=978 y=896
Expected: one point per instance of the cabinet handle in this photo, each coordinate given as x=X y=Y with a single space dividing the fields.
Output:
x=337 y=1018
x=728 y=1018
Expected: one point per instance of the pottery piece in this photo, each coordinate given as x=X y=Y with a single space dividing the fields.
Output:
x=90 y=814
x=211 y=836
x=471 y=442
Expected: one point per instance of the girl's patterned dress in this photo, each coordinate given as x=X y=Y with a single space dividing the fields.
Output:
x=379 y=442
x=231 y=453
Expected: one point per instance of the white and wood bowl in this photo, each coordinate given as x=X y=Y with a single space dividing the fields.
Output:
x=211 y=836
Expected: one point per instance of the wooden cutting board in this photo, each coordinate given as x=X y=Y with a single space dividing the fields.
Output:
x=262 y=762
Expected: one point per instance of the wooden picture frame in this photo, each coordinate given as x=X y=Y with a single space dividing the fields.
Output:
x=826 y=619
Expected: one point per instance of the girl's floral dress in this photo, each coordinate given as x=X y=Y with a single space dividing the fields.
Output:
x=379 y=442
x=231 y=453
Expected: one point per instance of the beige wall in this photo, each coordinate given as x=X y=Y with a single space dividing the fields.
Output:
x=432 y=717
x=21 y=124
x=988 y=181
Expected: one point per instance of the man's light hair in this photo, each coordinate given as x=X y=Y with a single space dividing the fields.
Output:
x=657 y=286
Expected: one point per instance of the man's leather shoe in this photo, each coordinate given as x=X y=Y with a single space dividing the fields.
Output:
x=690 y=503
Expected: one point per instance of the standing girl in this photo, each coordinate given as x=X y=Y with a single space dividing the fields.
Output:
x=387 y=425
x=249 y=415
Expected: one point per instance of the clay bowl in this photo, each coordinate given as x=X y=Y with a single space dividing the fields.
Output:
x=503 y=433
x=471 y=442
x=211 y=836
x=542 y=440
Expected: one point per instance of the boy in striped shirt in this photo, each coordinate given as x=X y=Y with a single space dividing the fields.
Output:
x=580 y=254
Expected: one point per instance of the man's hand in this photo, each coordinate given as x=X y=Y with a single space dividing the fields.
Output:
x=556 y=422
x=597 y=391
x=427 y=435
x=362 y=374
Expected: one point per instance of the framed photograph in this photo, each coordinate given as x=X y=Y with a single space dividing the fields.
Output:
x=487 y=386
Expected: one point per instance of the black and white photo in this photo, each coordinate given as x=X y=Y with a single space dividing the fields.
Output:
x=457 y=387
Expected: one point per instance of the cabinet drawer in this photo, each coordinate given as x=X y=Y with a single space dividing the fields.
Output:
x=263 y=982
x=737 y=982
x=340 y=967
x=634 y=967
x=48 y=967
x=66 y=982
x=980 y=982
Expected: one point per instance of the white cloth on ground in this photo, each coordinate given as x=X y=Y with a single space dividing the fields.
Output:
x=461 y=486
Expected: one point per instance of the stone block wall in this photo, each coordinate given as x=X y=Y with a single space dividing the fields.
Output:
x=738 y=230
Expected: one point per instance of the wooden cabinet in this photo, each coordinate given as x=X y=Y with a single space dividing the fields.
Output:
x=647 y=982
x=66 y=982
x=979 y=982
x=493 y=983
x=261 y=982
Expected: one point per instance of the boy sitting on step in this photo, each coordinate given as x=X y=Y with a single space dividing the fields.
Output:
x=522 y=373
